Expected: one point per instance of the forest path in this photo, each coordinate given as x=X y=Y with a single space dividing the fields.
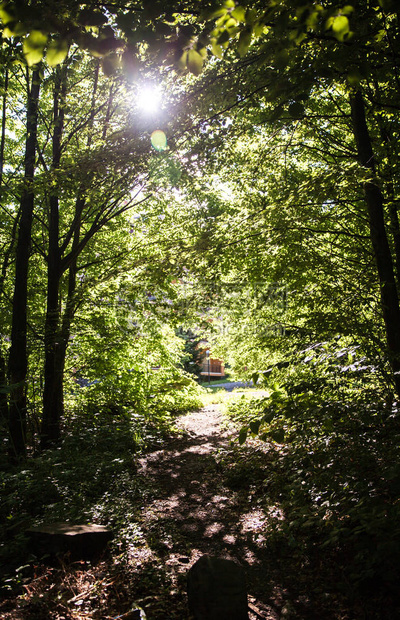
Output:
x=197 y=503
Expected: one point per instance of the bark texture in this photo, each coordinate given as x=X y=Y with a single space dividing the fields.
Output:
x=17 y=361
x=383 y=257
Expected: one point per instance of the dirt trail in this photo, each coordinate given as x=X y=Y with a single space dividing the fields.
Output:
x=195 y=506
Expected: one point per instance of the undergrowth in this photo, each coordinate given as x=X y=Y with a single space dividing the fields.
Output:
x=335 y=474
x=89 y=478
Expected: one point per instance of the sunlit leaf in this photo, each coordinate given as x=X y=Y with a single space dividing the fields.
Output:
x=340 y=27
x=6 y=14
x=33 y=47
x=239 y=14
x=56 y=53
x=230 y=24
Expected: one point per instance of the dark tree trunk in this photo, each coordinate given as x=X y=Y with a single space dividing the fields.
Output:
x=64 y=334
x=3 y=375
x=17 y=361
x=57 y=336
x=53 y=374
x=379 y=239
x=389 y=140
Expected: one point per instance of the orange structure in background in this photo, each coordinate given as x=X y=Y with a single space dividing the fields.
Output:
x=212 y=367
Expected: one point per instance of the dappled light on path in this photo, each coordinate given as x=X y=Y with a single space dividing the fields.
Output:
x=192 y=510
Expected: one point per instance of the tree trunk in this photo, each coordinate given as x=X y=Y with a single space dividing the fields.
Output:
x=3 y=375
x=57 y=336
x=53 y=374
x=17 y=361
x=380 y=244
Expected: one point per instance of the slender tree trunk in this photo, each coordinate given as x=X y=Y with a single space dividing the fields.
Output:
x=3 y=375
x=392 y=202
x=67 y=319
x=379 y=239
x=53 y=375
x=17 y=361
x=57 y=336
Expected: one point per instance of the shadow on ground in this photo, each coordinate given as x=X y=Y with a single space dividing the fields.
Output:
x=199 y=494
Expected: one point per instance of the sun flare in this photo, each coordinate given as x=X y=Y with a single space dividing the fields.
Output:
x=148 y=99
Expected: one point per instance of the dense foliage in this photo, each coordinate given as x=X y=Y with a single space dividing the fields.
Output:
x=264 y=221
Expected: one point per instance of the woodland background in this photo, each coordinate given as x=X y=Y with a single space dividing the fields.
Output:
x=267 y=225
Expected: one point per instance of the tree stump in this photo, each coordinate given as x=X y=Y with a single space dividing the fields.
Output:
x=84 y=542
x=217 y=590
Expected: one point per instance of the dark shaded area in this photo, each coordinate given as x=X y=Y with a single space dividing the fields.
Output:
x=200 y=494
x=87 y=542
x=217 y=590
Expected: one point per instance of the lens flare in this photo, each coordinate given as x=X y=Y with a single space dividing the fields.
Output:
x=159 y=140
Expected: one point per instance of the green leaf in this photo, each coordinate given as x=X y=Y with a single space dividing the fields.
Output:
x=347 y=10
x=182 y=62
x=56 y=53
x=33 y=47
x=251 y=16
x=354 y=77
x=255 y=426
x=243 y=435
x=212 y=14
x=14 y=29
x=244 y=42
x=388 y=5
x=340 y=27
x=277 y=113
x=239 y=14
x=223 y=37
x=296 y=110
x=6 y=14
x=278 y=435
x=268 y=417
x=254 y=377
x=216 y=49
x=159 y=140
x=194 y=62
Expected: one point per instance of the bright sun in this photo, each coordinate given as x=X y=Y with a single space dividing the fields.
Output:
x=148 y=99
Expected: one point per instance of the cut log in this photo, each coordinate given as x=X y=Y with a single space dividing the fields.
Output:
x=217 y=590
x=84 y=542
